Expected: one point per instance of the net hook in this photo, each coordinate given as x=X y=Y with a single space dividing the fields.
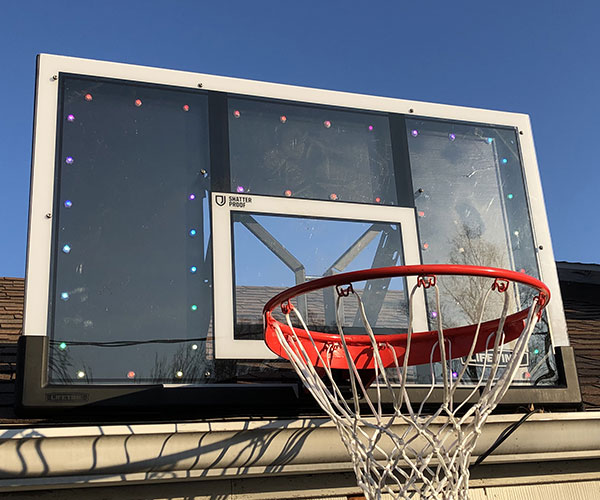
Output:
x=501 y=285
x=427 y=280
x=344 y=292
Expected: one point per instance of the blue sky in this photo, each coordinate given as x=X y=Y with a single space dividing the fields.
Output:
x=535 y=57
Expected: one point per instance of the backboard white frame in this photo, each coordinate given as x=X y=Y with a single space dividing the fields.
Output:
x=44 y=145
x=222 y=206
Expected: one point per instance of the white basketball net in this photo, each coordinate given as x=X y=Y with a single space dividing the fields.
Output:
x=426 y=455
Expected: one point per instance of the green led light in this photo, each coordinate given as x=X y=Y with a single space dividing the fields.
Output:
x=62 y=345
x=536 y=351
x=194 y=307
x=510 y=196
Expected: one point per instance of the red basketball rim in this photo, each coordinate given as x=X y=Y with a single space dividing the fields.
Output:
x=392 y=347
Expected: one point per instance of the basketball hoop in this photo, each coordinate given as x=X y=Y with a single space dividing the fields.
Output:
x=431 y=458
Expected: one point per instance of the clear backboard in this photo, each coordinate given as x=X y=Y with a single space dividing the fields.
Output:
x=168 y=207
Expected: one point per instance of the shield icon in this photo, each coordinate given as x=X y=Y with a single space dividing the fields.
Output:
x=220 y=200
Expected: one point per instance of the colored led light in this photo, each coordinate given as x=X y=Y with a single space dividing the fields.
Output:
x=179 y=374
x=68 y=203
x=185 y=107
x=237 y=114
x=371 y=128
x=192 y=232
x=283 y=118
x=287 y=192
x=510 y=196
x=69 y=160
x=88 y=97
x=434 y=314
x=71 y=118
x=489 y=140
x=66 y=249
x=333 y=196
x=194 y=307
x=327 y=124
x=454 y=374
x=64 y=296
x=527 y=375
x=378 y=200
x=536 y=351
x=80 y=374
x=421 y=213
x=414 y=132
x=62 y=346
x=193 y=269
x=452 y=137
x=192 y=196
x=138 y=102
x=131 y=374
x=194 y=347
x=522 y=270
x=240 y=189
x=504 y=161
x=426 y=246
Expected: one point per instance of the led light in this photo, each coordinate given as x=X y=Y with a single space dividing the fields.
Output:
x=68 y=203
x=287 y=192
x=510 y=196
x=421 y=213
x=327 y=124
x=240 y=189
x=452 y=137
x=130 y=374
x=62 y=346
x=204 y=173
x=454 y=374
x=88 y=97
x=192 y=232
x=434 y=314
x=194 y=307
x=185 y=107
x=527 y=375
x=179 y=374
x=69 y=160
x=194 y=347
x=371 y=128
x=71 y=118
x=536 y=351
x=237 y=114
x=283 y=118
x=64 y=296
x=504 y=161
x=333 y=196
x=378 y=200
x=192 y=196
x=522 y=270
x=138 y=102
x=66 y=249
x=414 y=132
x=193 y=269
x=426 y=246
x=489 y=140
x=80 y=374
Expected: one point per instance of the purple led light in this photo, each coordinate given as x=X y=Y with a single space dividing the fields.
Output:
x=371 y=128
x=71 y=118
x=414 y=132
x=454 y=374
x=434 y=314
x=452 y=137
x=240 y=189
x=69 y=160
x=192 y=196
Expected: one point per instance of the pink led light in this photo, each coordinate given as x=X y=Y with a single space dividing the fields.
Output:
x=283 y=118
x=371 y=128
x=88 y=97
x=288 y=193
x=237 y=114
x=240 y=189
x=192 y=196
x=378 y=200
x=426 y=246
x=421 y=214
x=333 y=196
x=327 y=124
x=138 y=102
x=71 y=118
x=131 y=374
x=185 y=107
